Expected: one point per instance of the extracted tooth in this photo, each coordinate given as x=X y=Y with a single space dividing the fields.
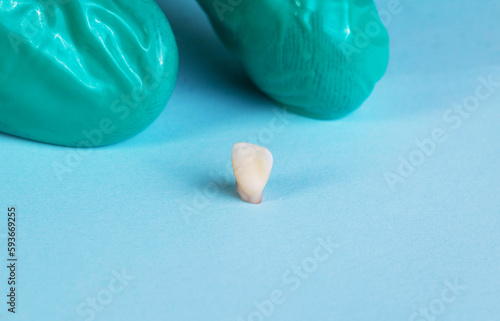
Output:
x=251 y=166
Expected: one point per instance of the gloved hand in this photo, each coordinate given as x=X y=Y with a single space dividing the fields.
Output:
x=83 y=73
x=321 y=58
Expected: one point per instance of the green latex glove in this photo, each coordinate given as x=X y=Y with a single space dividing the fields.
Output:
x=321 y=58
x=83 y=73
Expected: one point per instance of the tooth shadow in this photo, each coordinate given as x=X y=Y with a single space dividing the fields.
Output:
x=206 y=185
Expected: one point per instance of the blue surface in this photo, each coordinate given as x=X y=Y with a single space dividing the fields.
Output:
x=139 y=205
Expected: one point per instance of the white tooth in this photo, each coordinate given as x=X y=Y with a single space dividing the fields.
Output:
x=251 y=166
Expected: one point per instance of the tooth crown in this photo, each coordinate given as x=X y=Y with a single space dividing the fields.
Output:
x=251 y=166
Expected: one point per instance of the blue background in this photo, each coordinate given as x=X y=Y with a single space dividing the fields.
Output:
x=196 y=252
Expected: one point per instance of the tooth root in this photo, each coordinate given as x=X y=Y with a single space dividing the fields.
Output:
x=251 y=166
x=256 y=198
